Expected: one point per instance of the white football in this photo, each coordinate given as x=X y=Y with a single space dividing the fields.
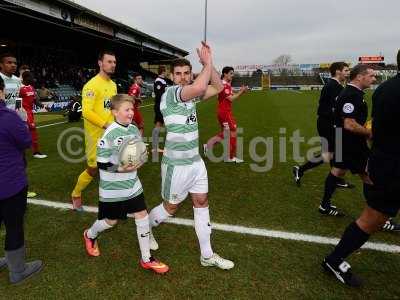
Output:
x=133 y=153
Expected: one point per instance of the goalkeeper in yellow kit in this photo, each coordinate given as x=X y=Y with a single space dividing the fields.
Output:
x=96 y=102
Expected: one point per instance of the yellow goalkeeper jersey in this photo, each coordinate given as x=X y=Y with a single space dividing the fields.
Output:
x=96 y=104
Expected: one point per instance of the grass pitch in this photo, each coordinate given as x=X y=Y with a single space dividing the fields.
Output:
x=265 y=268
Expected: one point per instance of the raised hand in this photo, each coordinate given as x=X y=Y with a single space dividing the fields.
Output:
x=204 y=53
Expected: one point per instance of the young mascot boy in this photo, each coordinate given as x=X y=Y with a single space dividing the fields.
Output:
x=120 y=190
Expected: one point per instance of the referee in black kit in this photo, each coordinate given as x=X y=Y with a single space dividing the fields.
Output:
x=160 y=85
x=383 y=194
x=325 y=124
x=351 y=113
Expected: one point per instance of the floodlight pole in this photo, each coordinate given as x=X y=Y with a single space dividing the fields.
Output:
x=205 y=21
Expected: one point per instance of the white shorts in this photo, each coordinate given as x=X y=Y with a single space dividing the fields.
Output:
x=178 y=181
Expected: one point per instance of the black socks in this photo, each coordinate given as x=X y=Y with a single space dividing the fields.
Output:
x=353 y=238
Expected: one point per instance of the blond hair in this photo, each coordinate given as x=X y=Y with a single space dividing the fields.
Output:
x=118 y=99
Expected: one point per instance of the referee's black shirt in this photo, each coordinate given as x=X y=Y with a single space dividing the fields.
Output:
x=386 y=117
x=327 y=100
x=350 y=104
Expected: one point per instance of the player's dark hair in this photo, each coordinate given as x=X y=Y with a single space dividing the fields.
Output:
x=337 y=66
x=2 y=85
x=180 y=62
x=118 y=99
x=135 y=74
x=226 y=70
x=105 y=52
x=398 y=60
x=359 y=69
x=27 y=78
x=6 y=54
x=161 y=69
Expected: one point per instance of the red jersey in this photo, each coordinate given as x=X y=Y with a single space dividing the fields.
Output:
x=27 y=93
x=134 y=90
x=224 y=104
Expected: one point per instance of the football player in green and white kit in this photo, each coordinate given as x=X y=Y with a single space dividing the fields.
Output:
x=183 y=171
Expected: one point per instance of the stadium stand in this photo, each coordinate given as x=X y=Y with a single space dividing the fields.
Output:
x=295 y=80
x=64 y=92
x=251 y=81
x=324 y=77
x=59 y=41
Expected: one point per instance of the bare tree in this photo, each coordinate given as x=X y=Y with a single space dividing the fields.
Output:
x=283 y=59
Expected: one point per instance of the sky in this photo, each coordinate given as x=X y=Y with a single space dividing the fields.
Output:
x=258 y=31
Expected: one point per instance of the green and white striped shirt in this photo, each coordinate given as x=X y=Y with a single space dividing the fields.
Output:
x=12 y=86
x=180 y=119
x=114 y=187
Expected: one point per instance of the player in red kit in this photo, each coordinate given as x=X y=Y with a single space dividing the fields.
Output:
x=225 y=115
x=28 y=94
x=134 y=91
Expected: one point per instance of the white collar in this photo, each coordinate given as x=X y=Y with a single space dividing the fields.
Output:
x=10 y=77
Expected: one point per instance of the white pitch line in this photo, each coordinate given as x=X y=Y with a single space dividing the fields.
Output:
x=53 y=124
x=146 y=105
x=241 y=229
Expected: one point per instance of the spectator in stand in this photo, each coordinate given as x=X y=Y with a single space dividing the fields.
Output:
x=44 y=93
x=22 y=69
x=29 y=99
x=14 y=139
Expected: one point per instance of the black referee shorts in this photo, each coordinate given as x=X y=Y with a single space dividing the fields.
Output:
x=327 y=131
x=384 y=195
x=120 y=210
x=158 y=117
x=356 y=162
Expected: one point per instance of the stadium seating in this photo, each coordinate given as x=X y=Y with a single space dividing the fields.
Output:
x=324 y=77
x=64 y=92
x=252 y=81
x=295 y=80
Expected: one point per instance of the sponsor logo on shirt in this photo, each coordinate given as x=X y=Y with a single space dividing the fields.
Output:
x=118 y=141
x=107 y=103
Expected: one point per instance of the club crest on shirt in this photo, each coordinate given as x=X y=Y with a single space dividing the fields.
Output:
x=89 y=94
x=348 y=108
x=192 y=119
